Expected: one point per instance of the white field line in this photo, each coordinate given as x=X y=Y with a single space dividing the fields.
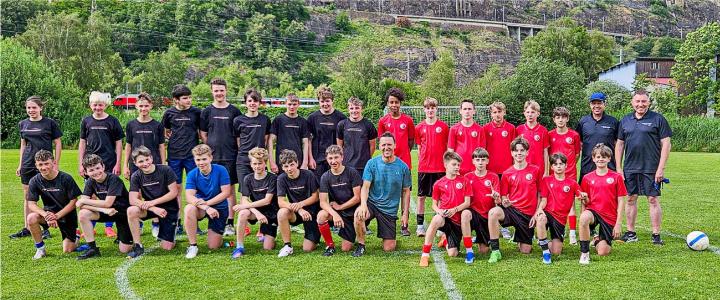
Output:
x=712 y=248
x=121 y=277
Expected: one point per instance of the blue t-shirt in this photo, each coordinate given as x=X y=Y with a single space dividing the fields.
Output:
x=642 y=141
x=208 y=186
x=386 y=183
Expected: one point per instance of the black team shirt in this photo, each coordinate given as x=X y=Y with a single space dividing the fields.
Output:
x=38 y=135
x=112 y=186
x=256 y=190
x=251 y=132
x=100 y=137
x=289 y=132
x=55 y=194
x=155 y=185
x=218 y=123
x=323 y=129
x=149 y=134
x=183 y=125
x=355 y=137
x=340 y=187
x=298 y=189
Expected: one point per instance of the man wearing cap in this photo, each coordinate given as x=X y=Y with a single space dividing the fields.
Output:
x=596 y=128
x=644 y=139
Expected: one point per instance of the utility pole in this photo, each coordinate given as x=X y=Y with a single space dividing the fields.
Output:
x=711 y=96
x=407 y=63
x=93 y=6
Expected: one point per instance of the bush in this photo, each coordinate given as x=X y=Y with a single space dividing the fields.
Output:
x=618 y=97
x=695 y=134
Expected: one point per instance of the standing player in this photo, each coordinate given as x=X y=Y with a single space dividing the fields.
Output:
x=357 y=136
x=386 y=186
x=566 y=141
x=322 y=125
x=499 y=133
x=596 y=128
x=216 y=127
x=431 y=136
x=297 y=192
x=58 y=192
x=290 y=131
x=258 y=202
x=466 y=136
x=603 y=202
x=153 y=194
x=644 y=139
x=36 y=133
x=101 y=134
x=104 y=199
x=451 y=197
x=145 y=131
x=339 y=197
x=207 y=190
x=536 y=135
x=485 y=185
x=519 y=187
x=557 y=193
x=402 y=128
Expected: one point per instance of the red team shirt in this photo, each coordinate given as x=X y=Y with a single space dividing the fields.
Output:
x=481 y=187
x=432 y=140
x=560 y=196
x=568 y=144
x=521 y=187
x=464 y=140
x=539 y=140
x=449 y=193
x=498 y=140
x=403 y=130
x=603 y=193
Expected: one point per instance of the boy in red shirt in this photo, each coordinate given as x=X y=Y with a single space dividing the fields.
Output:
x=557 y=196
x=485 y=185
x=431 y=136
x=566 y=141
x=466 y=136
x=498 y=136
x=603 y=200
x=451 y=196
x=519 y=191
x=402 y=128
x=536 y=135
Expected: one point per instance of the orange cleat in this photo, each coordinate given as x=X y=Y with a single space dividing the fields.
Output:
x=443 y=242
x=424 y=261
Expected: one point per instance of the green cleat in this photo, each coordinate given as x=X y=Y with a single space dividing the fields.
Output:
x=495 y=256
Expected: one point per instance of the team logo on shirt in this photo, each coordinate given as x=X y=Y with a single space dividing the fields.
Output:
x=459 y=185
x=512 y=177
x=488 y=182
x=566 y=188
x=438 y=129
x=569 y=140
x=474 y=134
x=459 y=132
x=388 y=124
x=592 y=182
x=403 y=126
x=504 y=133
x=610 y=180
x=537 y=138
x=528 y=176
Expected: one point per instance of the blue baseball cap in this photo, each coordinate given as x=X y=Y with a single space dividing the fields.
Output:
x=597 y=96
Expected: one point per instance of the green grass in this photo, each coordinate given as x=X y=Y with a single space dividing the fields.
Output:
x=637 y=270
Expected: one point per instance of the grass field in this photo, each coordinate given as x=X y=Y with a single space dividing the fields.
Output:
x=638 y=270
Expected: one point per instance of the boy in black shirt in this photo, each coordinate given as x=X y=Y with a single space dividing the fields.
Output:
x=297 y=192
x=291 y=132
x=145 y=131
x=59 y=193
x=323 y=129
x=251 y=130
x=357 y=136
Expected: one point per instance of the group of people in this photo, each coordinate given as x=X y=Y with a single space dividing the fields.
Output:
x=319 y=173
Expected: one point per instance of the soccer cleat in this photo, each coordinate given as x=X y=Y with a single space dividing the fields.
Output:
x=656 y=240
x=191 y=252
x=297 y=229
x=629 y=237
x=585 y=258
x=238 y=252
x=46 y=234
x=547 y=258
x=469 y=257
x=39 y=253
x=420 y=232
x=334 y=229
x=136 y=251
x=443 y=242
x=82 y=248
x=20 y=234
x=359 y=251
x=329 y=251
x=424 y=260
x=495 y=256
x=260 y=237
x=285 y=251
x=229 y=230
x=404 y=231
x=110 y=232
x=155 y=230
x=90 y=253
x=573 y=239
x=506 y=233
x=247 y=231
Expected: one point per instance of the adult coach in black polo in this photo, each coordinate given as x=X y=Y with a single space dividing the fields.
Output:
x=596 y=128
x=644 y=139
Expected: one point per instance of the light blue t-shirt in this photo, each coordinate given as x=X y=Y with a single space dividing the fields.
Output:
x=207 y=187
x=386 y=183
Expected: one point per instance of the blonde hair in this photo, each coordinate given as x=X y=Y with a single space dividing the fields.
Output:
x=334 y=150
x=258 y=153
x=532 y=104
x=355 y=101
x=429 y=101
x=201 y=150
x=98 y=97
x=499 y=105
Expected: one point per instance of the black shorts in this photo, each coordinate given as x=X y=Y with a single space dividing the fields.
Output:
x=312 y=232
x=426 y=182
x=68 y=226
x=453 y=233
x=167 y=226
x=480 y=225
x=347 y=232
x=641 y=184
x=321 y=168
x=556 y=230
x=386 y=224
x=241 y=171
x=218 y=224
x=123 y=229
x=267 y=229
x=229 y=166
x=606 y=230
x=521 y=222
x=27 y=174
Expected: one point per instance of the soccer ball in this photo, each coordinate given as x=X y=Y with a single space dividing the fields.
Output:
x=697 y=240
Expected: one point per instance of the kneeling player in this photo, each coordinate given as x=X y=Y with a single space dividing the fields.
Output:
x=603 y=202
x=339 y=197
x=485 y=185
x=519 y=192
x=111 y=205
x=258 y=202
x=451 y=196
x=557 y=195
x=206 y=191
x=59 y=193
x=297 y=192
x=153 y=194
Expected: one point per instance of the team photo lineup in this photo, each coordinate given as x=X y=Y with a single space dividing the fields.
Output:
x=319 y=178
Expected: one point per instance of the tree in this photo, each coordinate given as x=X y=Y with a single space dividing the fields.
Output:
x=697 y=56
x=566 y=41
x=439 y=78
x=486 y=89
x=641 y=82
x=360 y=76
x=666 y=47
x=160 y=71
x=15 y=15
x=643 y=46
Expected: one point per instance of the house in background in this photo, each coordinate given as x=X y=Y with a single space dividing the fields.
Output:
x=657 y=70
